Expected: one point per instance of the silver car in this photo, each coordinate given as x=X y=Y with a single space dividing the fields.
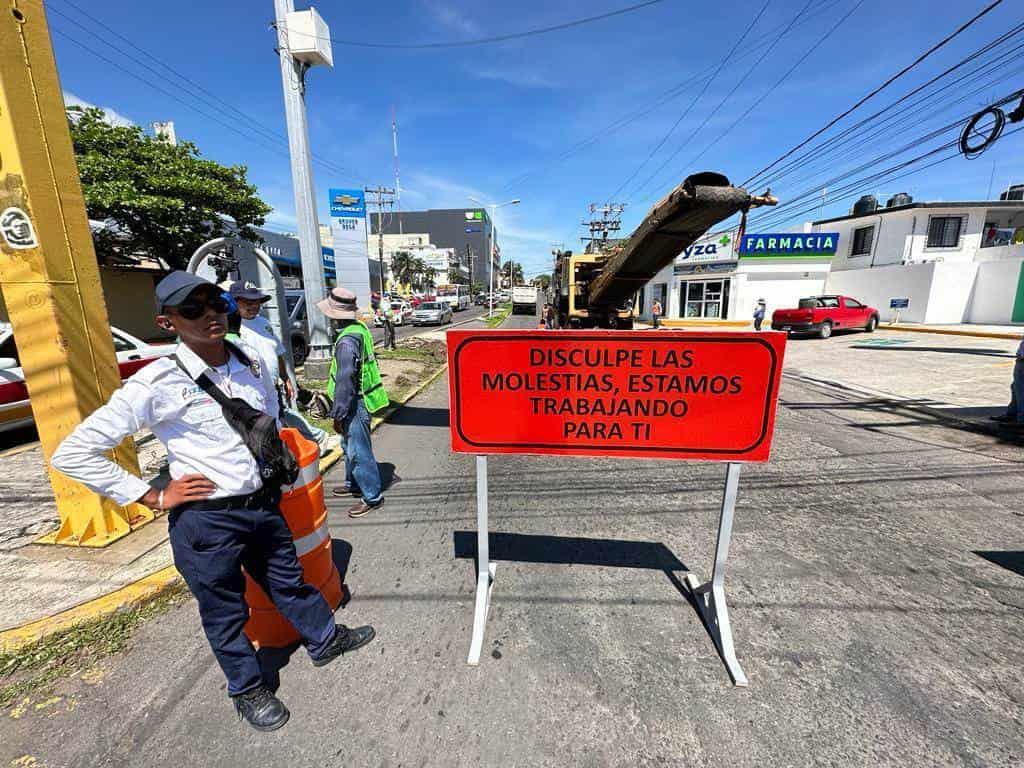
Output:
x=432 y=313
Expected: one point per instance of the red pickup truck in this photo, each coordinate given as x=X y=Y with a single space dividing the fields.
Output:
x=823 y=314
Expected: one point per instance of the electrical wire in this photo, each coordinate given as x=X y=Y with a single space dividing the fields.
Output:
x=939 y=45
x=722 y=103
x=707 y=83
x=818 y=151
x=662 y=99
x=497 y=38
x=770 y=90
x=259 y=132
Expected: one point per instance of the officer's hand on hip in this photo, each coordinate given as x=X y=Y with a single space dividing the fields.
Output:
x=185 y=489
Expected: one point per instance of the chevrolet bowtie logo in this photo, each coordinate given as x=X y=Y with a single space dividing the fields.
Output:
x=346 y=200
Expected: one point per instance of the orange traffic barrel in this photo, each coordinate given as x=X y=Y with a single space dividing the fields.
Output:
x=304 y=510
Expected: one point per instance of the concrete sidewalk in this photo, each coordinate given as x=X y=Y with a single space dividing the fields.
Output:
x=960 y=329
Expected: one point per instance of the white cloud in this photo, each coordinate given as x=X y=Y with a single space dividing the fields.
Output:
x=282 y=219
x=453 y=18
x=520 y=78
x=113 y=117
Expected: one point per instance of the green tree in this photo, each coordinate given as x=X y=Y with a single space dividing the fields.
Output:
x=512 y=273
x=478 y=288
x=542 y=281
x=404 y=267
x=161 y=199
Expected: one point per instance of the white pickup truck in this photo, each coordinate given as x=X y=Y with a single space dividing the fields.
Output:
x=524 y=299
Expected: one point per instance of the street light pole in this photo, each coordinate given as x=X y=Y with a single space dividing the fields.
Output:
x=313 y=282
x=493 y=207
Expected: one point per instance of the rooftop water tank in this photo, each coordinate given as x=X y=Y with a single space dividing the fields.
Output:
x=867 y=204
x=900 y=198
x=1015 y=192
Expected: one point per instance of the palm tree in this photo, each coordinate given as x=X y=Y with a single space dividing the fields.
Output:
x=404 y=267
x=513 y=272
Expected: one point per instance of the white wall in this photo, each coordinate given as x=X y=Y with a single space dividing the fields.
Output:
x=995 y=291
x=938 y=292
x=780 y=283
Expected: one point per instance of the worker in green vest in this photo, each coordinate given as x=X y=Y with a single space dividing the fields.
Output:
x=357 y=390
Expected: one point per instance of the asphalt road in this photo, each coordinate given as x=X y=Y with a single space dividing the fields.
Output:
x=875 y=591
x=402 y=331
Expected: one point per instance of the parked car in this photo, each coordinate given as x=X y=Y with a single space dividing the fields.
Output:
x=15 y=411
x=480 y=299
x=823 y=314
x=295 y=301
x=432 y=313
x=401 y=313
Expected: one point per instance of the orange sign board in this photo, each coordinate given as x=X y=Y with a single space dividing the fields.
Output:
x=647 y=394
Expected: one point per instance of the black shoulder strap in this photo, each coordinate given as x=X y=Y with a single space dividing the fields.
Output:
x=204 y=381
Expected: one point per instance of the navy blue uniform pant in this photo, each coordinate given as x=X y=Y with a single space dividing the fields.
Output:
x=210 y=548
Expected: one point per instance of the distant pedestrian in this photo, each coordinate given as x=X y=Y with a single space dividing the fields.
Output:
x=549 y=316
x=759 y=314
x=656 y=313
x=1015 y=410
x=387 y=320
x=356 y=387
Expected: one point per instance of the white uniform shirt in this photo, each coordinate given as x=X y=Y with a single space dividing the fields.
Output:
x=266 y=352
x=190 y=424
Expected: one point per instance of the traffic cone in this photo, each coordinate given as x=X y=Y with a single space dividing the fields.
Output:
x=304 y=510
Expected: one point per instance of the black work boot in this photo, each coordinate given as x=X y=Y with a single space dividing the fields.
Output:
x=345 y=640
x=261 y=709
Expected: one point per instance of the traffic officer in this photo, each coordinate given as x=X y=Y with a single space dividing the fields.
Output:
x=221 y=517
x=356 y=387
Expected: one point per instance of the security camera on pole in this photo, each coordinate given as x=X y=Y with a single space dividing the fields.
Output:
x=304 y=41
x=493 y=207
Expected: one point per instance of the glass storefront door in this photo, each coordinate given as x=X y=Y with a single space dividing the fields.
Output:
x=704 y=298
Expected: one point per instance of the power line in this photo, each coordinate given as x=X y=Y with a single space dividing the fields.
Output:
x=707 y=84
x=211 y=99
x=497 y=38
x=820 y=150
x=768 y=92
x=663 y=98
x=946 y=40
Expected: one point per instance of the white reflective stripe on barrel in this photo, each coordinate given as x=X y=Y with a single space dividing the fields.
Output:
x=309 y=542
x=307 y=475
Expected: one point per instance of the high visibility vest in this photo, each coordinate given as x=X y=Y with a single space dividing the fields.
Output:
x=375 y=397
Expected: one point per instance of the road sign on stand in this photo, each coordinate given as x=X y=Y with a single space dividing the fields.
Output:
x=668 y=395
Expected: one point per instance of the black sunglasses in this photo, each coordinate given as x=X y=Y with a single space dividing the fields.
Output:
x=194 y=308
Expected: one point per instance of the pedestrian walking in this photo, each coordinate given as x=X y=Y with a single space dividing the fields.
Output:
x=759 y=314
x=257 y=333
x=1015 y=410
x=356 y=387
x=222 y=500
x=388 y=318
x=656 y=313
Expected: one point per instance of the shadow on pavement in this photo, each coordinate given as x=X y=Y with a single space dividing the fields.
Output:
x=273 y=660
x=1010 y=560
x=951 y=350
x=571 y=550
x=413 y=416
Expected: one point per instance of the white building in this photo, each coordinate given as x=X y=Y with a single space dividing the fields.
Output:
x=711 y=280
x=956 y=262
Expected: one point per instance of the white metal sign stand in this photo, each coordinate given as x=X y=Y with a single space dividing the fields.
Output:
x=709 y=596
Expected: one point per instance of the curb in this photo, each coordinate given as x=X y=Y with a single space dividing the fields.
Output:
x=136 y=593
x=155 y=584
x=952 y=332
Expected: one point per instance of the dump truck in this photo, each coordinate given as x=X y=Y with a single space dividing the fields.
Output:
x=598 y=289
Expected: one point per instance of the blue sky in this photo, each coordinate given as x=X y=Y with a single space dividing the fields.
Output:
x=492 y=121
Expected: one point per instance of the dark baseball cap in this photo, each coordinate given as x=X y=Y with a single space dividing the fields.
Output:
x=241 y=289
x=175 y=288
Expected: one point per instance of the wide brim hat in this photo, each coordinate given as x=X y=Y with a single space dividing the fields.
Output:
x=340 y=304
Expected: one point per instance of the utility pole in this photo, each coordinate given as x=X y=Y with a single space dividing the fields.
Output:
x=610 y=221
x=49 y=275
x=293 y=81
x=385 y=196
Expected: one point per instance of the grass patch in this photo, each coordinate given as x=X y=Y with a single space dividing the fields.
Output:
x=499 y=317
x=36 y=667
x=407 y=353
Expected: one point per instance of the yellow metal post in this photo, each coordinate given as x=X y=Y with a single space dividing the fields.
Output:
x=48 y=271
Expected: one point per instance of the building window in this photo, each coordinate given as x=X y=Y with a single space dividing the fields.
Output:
x=944 y=231
x=862 y=238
